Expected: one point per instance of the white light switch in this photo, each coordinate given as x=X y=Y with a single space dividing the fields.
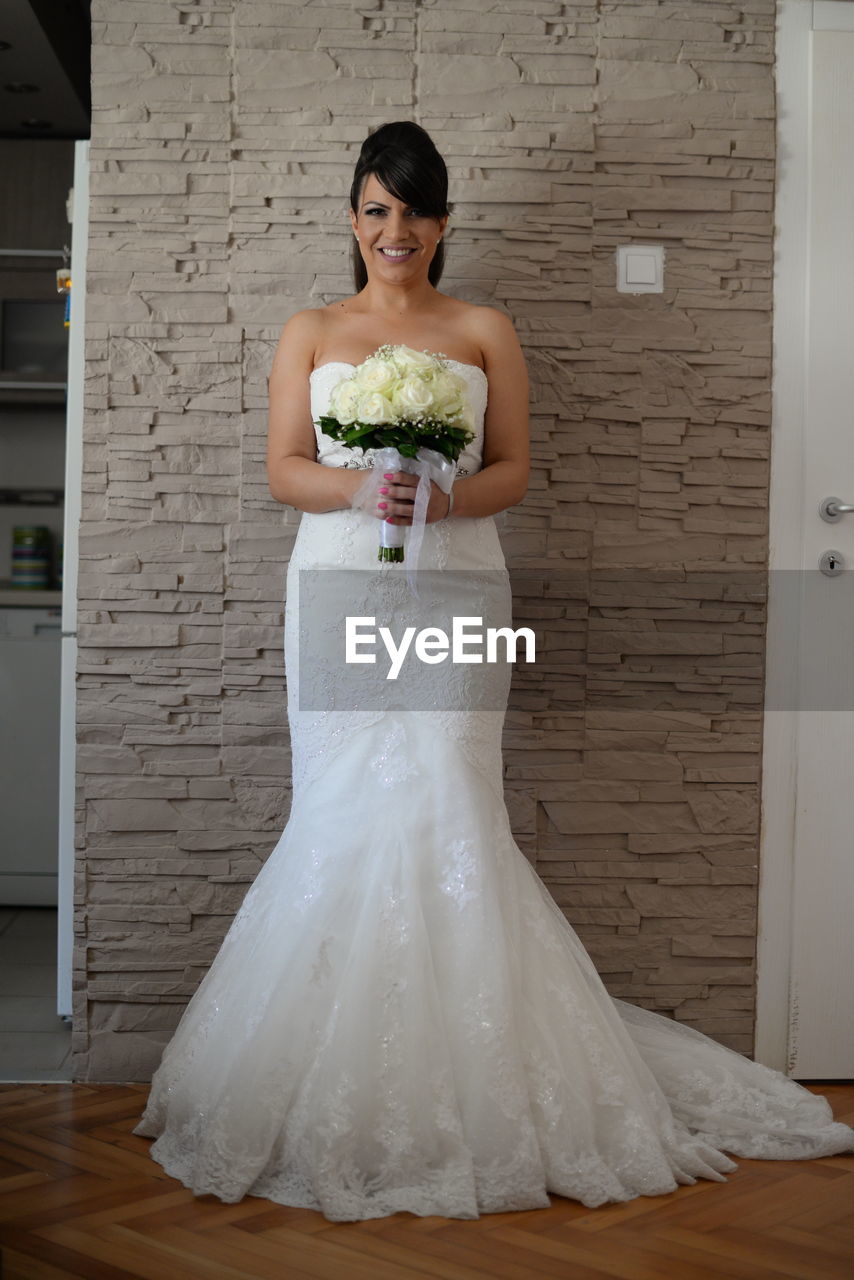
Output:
x=640 y=268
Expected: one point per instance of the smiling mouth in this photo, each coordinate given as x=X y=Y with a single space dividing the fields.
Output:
x=397 y=255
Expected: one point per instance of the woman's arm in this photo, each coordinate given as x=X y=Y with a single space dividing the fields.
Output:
x=294 y=475
x=503 y=478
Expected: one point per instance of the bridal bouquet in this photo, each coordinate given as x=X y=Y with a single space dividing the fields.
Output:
x=412 y=409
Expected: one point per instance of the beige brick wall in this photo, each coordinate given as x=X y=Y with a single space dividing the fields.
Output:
x=223 y=142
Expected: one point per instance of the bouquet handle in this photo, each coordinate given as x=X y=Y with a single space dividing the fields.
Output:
x=427 y=465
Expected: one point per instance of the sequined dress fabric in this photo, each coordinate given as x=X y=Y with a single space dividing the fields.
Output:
x=400 y=1017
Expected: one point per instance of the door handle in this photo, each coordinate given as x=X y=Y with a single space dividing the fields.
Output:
x=833 y=509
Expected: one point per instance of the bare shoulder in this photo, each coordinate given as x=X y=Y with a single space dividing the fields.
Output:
x=298 y=340
x=495 y=334
x=487 y=327
x=303 y=324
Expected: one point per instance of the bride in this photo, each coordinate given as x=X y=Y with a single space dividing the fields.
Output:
x=400 y=1017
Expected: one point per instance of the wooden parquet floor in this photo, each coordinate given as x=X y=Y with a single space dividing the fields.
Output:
x=80 y=1197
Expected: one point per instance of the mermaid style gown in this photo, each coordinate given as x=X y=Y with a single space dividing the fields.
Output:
x=400 y=1017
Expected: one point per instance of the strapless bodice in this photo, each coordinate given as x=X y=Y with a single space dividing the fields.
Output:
x=330 y=453
x=347 y=537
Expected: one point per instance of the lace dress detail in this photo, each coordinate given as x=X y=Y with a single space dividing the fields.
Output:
x=400 y=1017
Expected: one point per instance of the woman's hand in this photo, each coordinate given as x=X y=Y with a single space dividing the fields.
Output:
x=396 y=499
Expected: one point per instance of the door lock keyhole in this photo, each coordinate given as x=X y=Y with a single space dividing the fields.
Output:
x=832 y=563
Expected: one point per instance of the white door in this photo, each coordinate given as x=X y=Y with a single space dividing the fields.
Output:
x=807 y=881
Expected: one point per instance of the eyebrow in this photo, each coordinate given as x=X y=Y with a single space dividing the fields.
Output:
x=380 y=204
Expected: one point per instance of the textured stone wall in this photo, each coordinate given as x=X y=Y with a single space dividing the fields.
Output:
x=223 y=140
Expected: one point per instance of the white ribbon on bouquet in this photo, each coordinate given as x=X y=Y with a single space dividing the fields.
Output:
x=427 y=465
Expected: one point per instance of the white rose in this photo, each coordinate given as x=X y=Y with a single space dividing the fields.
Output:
x=410 y=361
x=344 y=402
x=448 y=394
x=375 y=408
x=376 y=374
x=412 y=397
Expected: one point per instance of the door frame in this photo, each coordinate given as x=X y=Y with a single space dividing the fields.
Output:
x=786 y=526
x=776 y=1016
x=71 y=534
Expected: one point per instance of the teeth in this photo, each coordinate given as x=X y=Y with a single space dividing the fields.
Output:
x=396 y=253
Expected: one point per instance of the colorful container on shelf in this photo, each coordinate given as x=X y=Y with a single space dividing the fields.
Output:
x=31 y=552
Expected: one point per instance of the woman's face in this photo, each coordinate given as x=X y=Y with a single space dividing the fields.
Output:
x=397 y=240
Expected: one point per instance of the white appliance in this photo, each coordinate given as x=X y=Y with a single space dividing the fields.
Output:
x=30 y=654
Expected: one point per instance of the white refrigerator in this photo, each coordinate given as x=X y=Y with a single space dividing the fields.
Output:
x=29 y=751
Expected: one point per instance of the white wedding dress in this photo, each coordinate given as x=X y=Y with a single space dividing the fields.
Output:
x=400 y=1017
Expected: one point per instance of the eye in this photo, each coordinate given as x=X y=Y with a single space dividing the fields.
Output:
x=375 y=210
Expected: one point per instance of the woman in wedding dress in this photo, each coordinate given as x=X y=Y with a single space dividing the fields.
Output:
x=400 y=1017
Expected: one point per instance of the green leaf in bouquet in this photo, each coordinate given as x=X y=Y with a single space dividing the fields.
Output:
x=407 y=437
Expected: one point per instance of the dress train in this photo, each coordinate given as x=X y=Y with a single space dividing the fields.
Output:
x=401 y=1017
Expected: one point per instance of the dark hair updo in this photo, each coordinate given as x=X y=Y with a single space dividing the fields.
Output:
x=404 y=159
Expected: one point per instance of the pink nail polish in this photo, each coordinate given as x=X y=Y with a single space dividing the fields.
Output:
x=387 y=475
x=383 y=490
x=382 y=505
